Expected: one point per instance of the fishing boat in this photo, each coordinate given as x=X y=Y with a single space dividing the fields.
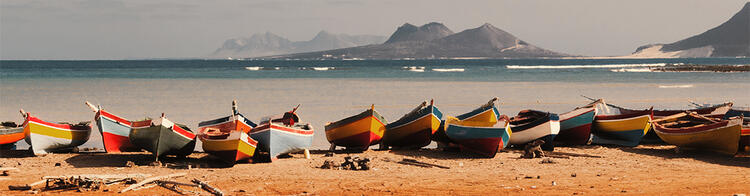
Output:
x=745 y=133
x=483 y=140
x=575 y=126
x=45 y=137
x=692 y=130
x=530 y=125
x=282 y=134
x=115 y=130
x=485 y=115
x=413 y=129
x=226 y=138
x=357 y=132
x=164 y=138
x=700 y=109
x=619 y=126
x=10 y=133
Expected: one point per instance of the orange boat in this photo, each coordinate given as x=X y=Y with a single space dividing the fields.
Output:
x=10 y=133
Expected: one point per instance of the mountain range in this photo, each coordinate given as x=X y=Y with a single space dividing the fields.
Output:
x=267 y=44
x=435 y=40
x=730 y=39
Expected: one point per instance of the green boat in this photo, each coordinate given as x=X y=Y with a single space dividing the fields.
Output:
x=164 y=138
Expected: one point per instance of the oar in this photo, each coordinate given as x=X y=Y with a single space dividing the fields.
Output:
x=295 y=108
x=695 y=104
x=23 y=113
x=234 y=107
x=589 y=98
x=93 y=108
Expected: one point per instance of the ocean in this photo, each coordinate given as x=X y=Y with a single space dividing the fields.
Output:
x=190 y=91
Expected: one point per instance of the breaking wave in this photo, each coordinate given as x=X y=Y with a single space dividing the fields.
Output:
x=449 y=70
x=253 y=68
x=414 y=68
x=323 y=68
x=583 y=66
x=262 y=68
x=677 y=86
x=632 y=70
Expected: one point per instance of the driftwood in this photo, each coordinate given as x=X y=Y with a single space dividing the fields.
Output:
x=209 y=188
x=419 y=163
x=150 y=180
x=573 y=154
x=25 y=187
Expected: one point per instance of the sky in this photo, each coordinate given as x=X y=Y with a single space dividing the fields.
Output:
x=142 y=29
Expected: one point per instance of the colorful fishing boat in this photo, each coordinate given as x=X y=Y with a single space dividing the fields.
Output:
x=10 y=133
x=619 y=126
x=745 y=133
x=700 y=109
x=115 y=130
x=413 y=129
x=45 y=137
x=226 y=138
x=485 y=115
x=482 y=140
x=696 y=131
x=530 y=125
x=575 y=126
x=282 y=134
x=164 y=138
x=357 y=132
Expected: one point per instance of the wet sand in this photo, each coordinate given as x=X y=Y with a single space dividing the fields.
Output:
x=642 y=170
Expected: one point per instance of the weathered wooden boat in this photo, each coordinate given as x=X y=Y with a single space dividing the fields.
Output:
x=10 y=133
x=45 y=137
x=164 y=138
x=619 y=126
x=282 y=134
x=530 y=125
x=115 y=130
x=744 y=112
x=575 y=126
x=357 y=132
x=482 y=140
x=413 y=129
x=226 y=138
x=700 y=109
x=696 y=131
x=485 y=115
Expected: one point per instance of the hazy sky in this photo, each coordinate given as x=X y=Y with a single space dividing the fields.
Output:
x=114 y=29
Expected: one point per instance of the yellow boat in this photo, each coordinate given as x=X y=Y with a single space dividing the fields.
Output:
x=413 y=129
x=358 y=132
x=696 y=131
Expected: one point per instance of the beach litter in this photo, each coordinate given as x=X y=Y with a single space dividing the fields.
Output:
x=350 y=163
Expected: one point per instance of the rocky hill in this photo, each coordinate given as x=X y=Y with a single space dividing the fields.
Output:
x=267 y=44
x=434 y=40
x=730 y=39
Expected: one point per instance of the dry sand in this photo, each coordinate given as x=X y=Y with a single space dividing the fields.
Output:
x=643 y=170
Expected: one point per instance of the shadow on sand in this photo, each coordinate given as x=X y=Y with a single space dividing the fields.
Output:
x=15 y=154
x=434 y=153
x=84 y=160
x=700 y=155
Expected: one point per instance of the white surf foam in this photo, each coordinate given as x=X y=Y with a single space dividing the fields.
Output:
x=253 y=68
x=632 y=70
x=583 y=66
x=449 y=70
x=677 y=86
x=414 y=68
x=323 y=68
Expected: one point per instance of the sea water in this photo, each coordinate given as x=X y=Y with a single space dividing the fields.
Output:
x=190 y=91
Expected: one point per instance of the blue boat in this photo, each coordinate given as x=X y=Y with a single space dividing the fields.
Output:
x=575 y=126
x=479 y=139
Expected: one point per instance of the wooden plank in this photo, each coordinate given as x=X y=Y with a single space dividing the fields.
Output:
x=152 y=179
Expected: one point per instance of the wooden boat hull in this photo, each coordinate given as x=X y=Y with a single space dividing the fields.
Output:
x=45 y=137
x=164 y=139
x=484 y=116
x=575 y=126
x=715 y=109
x=618 y=126
x=478 y=139
x=11 y=135
x=277 y=139
x=745 y=139
x=359 y=131
x=115 y=132
x=545 y=129
x=721 y=137
x=238 y=146
x=415 y=130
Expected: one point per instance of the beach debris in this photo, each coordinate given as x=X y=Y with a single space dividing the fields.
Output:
x=307 y=154
x=738 y=194
x=155 y=163
x=414 y=162
x=328 y=154
x=573 y=175
x=350 y=163
x=533 y=150
x=150 y=180
x=554 y=183
x=130 y=164
x=547 y=160
x=205 y=186
x=6 y=170
x=58 y=164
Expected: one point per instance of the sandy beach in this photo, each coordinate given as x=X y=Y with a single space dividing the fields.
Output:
x=586 y=170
